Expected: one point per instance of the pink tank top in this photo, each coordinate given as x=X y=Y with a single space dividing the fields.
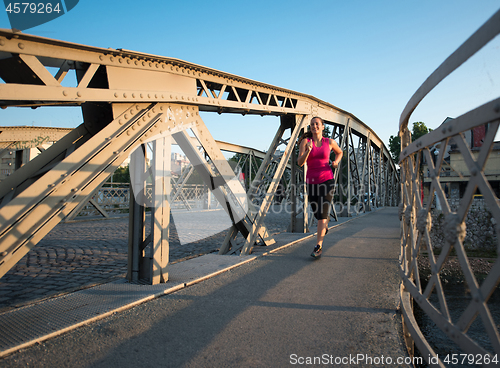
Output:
x=318 y=163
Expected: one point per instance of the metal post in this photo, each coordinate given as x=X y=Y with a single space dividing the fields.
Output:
x=136 y=213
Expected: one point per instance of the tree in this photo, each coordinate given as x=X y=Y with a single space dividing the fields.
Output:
x=419 y=129
x=121 y=175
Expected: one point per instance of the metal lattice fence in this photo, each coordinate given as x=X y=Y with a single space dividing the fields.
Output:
x=449 y=215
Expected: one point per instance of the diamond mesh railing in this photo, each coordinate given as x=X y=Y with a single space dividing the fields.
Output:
x=450 y=215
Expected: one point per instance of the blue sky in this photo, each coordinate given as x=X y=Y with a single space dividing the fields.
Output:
x=366 y=57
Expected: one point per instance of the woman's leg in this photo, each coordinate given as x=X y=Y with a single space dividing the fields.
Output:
x=326 y=195
x=322 y=226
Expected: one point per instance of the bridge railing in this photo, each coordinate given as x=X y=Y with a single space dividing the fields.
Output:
x=450 y=215
x=115 y=198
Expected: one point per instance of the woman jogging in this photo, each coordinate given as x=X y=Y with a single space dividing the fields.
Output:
x=314 y=149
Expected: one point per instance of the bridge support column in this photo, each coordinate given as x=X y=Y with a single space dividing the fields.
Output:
x=160 y=218
x=297 y=183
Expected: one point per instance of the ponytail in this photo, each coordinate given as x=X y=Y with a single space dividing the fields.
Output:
x=306 y=135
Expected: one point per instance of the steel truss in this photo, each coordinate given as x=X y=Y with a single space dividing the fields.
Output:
x=417 y=225
x=127 y=98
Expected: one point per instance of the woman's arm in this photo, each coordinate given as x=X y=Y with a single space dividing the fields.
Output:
x=338 y=152
x=305 y=148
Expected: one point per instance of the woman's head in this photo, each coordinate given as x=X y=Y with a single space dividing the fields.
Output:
x=317 y=119
x=317 y=125
x=320 y=124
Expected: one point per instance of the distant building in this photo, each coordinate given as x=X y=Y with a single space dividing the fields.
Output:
x=21 y=144
x=454 y=175
x=178 y=163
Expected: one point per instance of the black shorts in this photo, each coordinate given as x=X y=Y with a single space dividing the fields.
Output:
x=320 y=197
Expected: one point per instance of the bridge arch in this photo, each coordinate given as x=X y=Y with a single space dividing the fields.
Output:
x=127 y=99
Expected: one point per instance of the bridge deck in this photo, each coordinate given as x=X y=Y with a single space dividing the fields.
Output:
x=269 y=311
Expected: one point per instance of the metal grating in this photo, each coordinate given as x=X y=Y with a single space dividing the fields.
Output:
x=25 y=326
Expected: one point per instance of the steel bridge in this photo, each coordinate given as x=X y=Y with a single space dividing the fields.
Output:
x=130 y=100
x=135 y=105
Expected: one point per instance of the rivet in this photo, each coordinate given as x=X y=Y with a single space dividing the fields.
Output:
x=120 y=60
x=128 y=132
x=111 y=58
x=443 y=130
x=133 y=95
x=101 y=57
x=74 y=189
x=473 y=171
x=450 y=128
x=3 y=254
x=78 y=94
x=65 y=93
x=120 y=122
x=116 y=94
x=141 y=95
x=52 y=185
x=136 y=62
x=128 y=61
x=125 y=95
x=133 y=127
x=21 y=45
x=126 y=116
x=497 y=107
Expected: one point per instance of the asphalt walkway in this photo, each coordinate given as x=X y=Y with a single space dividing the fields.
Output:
x=277 y=310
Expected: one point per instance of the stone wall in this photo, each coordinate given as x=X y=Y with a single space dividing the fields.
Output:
x=481 y=227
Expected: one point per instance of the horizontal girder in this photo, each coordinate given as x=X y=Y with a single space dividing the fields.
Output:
x=119 y=76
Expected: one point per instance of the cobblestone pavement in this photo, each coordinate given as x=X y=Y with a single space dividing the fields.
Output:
x=81 y=254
